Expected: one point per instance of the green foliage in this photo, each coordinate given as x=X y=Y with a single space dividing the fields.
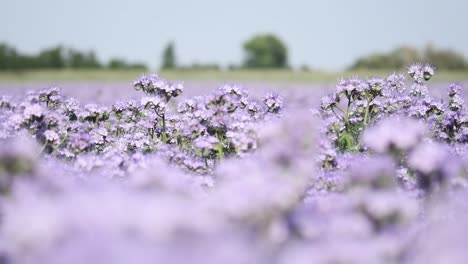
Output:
x=52 y=58
x=265 y=51
x=56 y=57
x=168 y=57
x=445 y=59
x=115 y=64
x=348 y=140
x=399 y=58
x=77 y=59
x=201 y=67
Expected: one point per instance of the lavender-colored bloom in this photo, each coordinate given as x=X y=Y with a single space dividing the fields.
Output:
x=375 y=172
x=428 y=71
x=454 y=89
x=431 y=162
x=421 y=72
x=51 y=136
x=273 y=102
x=329 y=101
x=395 y=82
x=267 y=183
x=394 y=133
x=427 y=158
x=152 y=84
x=32 y=111
x=416 y=72
x=153 y=103
x=419 y=89
x=456 y=102
x=206 y=143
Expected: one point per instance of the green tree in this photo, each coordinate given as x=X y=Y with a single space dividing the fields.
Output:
x=265 y=51
x=168 y=57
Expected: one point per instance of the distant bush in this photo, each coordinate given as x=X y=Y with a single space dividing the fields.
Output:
x=442 y=59
x=122 y=64
x=201 y=66
x=76 y=59
x=445 y=59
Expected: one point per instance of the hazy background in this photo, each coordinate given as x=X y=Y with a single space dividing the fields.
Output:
x=326 y=35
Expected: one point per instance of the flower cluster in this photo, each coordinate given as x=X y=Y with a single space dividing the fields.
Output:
x=378 y=175
x=195 y=134
x=357 y=104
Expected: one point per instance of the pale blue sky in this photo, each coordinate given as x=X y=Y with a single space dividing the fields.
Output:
x=323 y=34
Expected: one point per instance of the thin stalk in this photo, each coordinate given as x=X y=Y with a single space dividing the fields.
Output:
x=366 y=115
x=347 y=113
x=337 y=116
x=164 y=136
x=42 y=148
x=220 y=146
x=339 y=108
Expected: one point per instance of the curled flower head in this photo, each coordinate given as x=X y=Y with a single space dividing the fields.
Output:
x=33 y=111
x=454 y=89
x=152 y=84
x=376 y=85
x=205 y=143
x=329 y=101
x=351 y=88
x=153 y=102
x=51 y=136
x=273 y=102
x=395 y=82
x=421 y=72
x=428 y=72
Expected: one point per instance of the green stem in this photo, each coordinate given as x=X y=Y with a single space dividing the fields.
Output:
x=220 y=146
x=347 y=114
x=43 y=148
x=339 y=108
x=366 y=115
x=337 y=116
x=164 y=136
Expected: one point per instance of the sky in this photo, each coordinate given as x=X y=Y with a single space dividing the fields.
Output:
x=323 y=34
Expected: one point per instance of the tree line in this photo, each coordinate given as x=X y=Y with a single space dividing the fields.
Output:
x=268 y=51
x=442 y=59
x=260 y=52
x=58 y=57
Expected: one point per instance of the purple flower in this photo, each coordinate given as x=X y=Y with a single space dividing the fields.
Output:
x=432 y=164
x=421 y=72
x=273 y=102
x=51 y=136
x=395 y=82
x=205 y=143
x=454 y=89
x=329 y=101
x=394 y=133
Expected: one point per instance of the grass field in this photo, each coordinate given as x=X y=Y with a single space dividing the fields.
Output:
x=239 y=75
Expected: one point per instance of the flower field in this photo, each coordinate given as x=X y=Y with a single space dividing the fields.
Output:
x=158 y=171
